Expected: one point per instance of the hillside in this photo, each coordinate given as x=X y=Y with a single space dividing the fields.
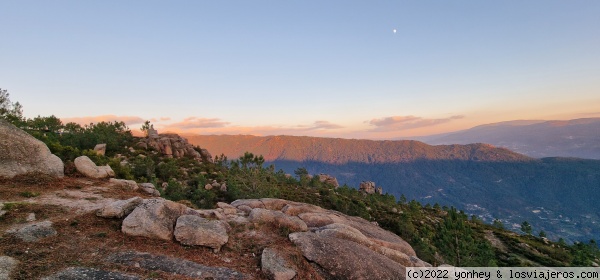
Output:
x=555 y=195
x=343 y=151
x=213 y=221
x=573 y=138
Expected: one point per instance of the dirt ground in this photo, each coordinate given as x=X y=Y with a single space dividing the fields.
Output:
x=86 y=240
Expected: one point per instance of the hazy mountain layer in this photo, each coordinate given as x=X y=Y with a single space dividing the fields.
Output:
x=574 y=138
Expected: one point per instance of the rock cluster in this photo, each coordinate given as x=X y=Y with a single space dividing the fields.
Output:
x=172 y=145
x=328 y=179
x=21 y=153
x=341 y=246
x=368 y=187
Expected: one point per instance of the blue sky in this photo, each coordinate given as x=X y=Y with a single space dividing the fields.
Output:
x=321 y=68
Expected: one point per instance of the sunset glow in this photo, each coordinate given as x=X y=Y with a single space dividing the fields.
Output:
x=329 y=69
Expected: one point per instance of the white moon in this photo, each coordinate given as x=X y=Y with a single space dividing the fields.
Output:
x=394 y=30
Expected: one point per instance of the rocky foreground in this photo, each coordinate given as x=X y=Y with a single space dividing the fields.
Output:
x=81 y=228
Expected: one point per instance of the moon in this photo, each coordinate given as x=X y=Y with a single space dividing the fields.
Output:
x=394 y=31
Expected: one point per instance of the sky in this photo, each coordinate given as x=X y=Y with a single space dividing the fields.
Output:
x=349 y=69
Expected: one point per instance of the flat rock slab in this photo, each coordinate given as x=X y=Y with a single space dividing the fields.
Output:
x=174 y=265
x=7 y=265
x=341 y=259
x=34 y=232
x=77 y=273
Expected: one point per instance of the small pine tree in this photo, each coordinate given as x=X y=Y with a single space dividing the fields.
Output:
x=526 y=228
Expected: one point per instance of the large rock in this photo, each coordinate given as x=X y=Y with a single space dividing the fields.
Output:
x=7 y=266
x=341 y=259
x=196 y=231
x=128 y=184
x=149 y=188
x=21 y=153
x=275 y=266
x=88 y=168
x=100 y=149
x=155 y=218
x=120 y=208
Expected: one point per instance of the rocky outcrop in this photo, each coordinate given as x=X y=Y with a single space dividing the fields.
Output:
x=173 y=145
x=329 y=239
x=120 y=208
x=333 y=240
x=23 y=154
x=328 y=179
x=155 y=218
x=368 y=187
x=192 y=230
x=88 y=168
x=275 y=266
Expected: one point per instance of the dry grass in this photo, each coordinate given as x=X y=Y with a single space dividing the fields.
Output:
x=87 y=240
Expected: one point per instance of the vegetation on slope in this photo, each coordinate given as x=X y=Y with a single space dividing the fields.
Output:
x=438 y=234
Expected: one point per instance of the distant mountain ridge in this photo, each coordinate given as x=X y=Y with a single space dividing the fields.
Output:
x=557 y=195
x=571 y=138
x=343 y=151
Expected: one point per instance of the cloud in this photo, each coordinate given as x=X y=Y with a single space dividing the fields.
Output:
x=396 y=123
x=165 y=118
x=128 y=120
x=195 y=125
x=324 y=125
x=195 y=122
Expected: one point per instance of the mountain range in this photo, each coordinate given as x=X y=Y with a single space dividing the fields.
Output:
x=571 y=138
x=556 y=195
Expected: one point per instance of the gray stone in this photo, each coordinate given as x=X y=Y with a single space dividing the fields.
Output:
x=275 y=266
x=149 y=188
x=23 y=154
x=88 y=168
x=174 y=266
x=34 y=232
x=128 y=184
x=293 y=223
x=120 y=208
x=100 y=149
x=7 y=266
x=197 y=231
x=30 y=217
x=77 y=273
x=340 y=259
x=227 y=209
x=155 y=218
